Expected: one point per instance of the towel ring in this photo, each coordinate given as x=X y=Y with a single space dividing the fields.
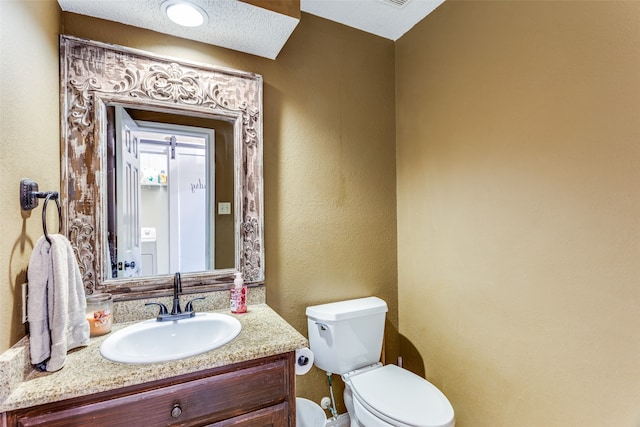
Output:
x=29 y=196
x=51 y=195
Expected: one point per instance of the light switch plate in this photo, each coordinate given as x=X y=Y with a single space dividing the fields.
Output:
x=224 y=208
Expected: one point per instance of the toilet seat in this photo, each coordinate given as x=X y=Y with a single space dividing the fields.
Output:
x=401 y=398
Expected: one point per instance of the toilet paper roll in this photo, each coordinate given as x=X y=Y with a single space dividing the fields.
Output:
x=304 y=360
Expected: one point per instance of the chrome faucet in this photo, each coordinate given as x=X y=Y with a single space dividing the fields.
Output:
x=177 y=290
x=176 y=311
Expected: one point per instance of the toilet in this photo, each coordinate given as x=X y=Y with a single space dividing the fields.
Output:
x=346 y=339
x=149 y=251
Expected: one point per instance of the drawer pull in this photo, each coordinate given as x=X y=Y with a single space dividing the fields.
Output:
x=176 y=411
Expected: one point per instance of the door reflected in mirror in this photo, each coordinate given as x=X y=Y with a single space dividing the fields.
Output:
x=170 y=193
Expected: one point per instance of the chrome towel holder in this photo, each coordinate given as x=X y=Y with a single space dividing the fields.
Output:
x=29 y=196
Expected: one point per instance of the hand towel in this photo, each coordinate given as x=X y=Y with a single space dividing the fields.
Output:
x=56 y=304
x=38 y=275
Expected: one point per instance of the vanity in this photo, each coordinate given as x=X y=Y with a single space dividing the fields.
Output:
x=247 y=382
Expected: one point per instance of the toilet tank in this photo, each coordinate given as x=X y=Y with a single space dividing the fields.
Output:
x=346 y=335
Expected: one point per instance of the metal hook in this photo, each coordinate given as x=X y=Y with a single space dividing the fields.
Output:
x=51 y=195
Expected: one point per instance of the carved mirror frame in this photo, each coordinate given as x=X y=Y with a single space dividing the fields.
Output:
x=94 y=75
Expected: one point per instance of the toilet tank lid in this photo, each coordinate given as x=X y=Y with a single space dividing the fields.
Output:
x=347 y=309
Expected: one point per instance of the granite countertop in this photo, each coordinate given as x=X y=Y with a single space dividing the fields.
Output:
x=264 y=333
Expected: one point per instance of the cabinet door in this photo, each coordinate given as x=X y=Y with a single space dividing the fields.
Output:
x=273 y=416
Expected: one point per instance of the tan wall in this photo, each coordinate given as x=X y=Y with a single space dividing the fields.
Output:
x=29 y=117
x=518 y=171
x=329 y=160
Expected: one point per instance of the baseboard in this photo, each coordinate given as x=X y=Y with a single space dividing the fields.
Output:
x=341 y=421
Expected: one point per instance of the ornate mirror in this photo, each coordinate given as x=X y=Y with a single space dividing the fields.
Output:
x=168 y=115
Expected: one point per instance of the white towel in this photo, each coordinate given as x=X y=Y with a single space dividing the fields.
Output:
x=56 y=304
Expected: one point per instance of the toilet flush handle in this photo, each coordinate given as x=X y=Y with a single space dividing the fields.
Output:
x=322 y=326
x=324 y=333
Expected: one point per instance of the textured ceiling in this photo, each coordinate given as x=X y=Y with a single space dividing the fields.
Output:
x=240 y=26
x=386 y=18
x=231 y=24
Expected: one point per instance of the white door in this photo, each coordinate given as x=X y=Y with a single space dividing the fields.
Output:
x=188 y=195
x=128 y=196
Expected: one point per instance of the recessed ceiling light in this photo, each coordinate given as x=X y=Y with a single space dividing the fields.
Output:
x=184 y=13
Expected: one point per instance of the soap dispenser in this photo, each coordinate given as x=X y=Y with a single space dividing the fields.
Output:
x=238 y=295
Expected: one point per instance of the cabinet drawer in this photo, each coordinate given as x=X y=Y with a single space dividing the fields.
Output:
x=196 y=402
x=273 y=416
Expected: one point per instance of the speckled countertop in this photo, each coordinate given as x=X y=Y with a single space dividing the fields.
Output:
x=264 y=333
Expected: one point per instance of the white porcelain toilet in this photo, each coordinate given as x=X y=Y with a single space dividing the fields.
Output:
x=346 y=339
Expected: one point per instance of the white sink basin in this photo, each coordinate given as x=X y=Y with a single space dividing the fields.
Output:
x=151 y=341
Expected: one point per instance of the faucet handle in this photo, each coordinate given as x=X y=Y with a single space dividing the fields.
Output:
x=163 y=308
x=189 y=307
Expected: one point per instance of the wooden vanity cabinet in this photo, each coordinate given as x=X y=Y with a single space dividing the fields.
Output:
x=255 y=393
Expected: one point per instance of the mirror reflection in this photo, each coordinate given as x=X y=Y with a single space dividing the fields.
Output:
x=170 y=185
x=224 y=105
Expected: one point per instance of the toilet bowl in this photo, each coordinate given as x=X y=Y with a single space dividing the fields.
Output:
x=346 y=339
x=309 y=414
x=385 y=396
